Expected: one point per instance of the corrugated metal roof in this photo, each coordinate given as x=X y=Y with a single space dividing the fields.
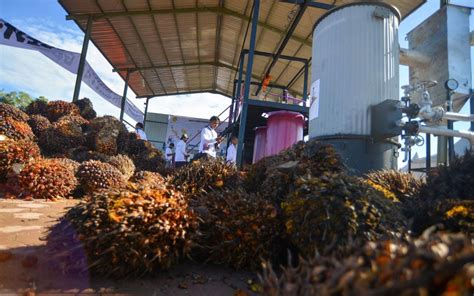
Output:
x=179 y=46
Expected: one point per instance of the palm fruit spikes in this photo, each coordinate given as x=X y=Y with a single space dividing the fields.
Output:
x=237 y=229
x=37 y=107
x=125 y=233
x=124 y=164
x=326 y=212
x=148 y=179
x=94 y=175
x=17 y=130
x=14 y=155
x=103 y=134
x=396 y=185
x=60 y=137
x=47 y=179
x=7 y=110
x=433 y=264
x=86 y=109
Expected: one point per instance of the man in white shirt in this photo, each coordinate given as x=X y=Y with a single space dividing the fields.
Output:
x=140 y=132
x=209 y=139
x=181 y=156
x=232 y=150
x=170 y=155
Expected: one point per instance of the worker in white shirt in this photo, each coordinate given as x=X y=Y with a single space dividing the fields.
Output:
x=170 y=155
x=139 y=128
x=181 y=156
x=232 y=150
x=209 y=139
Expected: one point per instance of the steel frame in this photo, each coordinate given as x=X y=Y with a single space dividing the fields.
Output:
x=82 y=60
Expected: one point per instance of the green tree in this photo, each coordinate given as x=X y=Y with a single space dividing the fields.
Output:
x=19 y=100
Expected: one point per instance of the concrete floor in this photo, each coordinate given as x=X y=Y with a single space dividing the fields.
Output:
x=24 y=265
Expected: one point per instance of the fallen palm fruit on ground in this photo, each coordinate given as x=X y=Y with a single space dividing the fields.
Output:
x=433 y=264
x=124 y=233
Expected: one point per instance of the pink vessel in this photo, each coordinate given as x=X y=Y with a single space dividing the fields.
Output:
x=259 y=145
x=284 y=128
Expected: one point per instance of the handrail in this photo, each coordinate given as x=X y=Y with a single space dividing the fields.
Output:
x=191 y=147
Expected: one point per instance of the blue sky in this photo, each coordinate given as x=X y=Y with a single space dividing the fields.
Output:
x=45 y=19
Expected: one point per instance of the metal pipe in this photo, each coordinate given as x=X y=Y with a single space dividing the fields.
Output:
x=305 y=83
x=447 y=132
x=450 y=127
x=471 y=102
x=428 y=154
x=124 y=97
x=239 y=83
x=458 y=116
x=248 y=77
x=442 y=154
x=412 y=58
x=82 y=60
x=283 y=44
x=146 y=111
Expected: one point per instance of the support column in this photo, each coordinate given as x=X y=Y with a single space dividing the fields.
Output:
x=146 y=112
x=305 y=84
x=248 y=78
x=124 y=97
x=428 y=154
x=82 y=60
x=239 y=85
x=450 y=127
x=471 y=101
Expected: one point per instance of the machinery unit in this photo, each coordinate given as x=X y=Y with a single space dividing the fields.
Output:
x=284 y=128
x=355 y=65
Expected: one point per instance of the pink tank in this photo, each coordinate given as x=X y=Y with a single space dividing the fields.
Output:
x=284 y=128
x=260 y=143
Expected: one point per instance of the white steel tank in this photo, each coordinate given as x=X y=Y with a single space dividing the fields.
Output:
x=355 y=65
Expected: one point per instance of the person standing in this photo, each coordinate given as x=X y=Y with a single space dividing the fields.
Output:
x=139 y=128
x=232 y=150
x=170 y=155
x=181 y=156
x=209 y=139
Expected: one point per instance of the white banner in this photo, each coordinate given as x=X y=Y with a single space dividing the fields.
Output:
x=11 y=36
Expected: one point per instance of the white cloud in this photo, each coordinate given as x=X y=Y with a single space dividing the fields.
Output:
x=33 y=72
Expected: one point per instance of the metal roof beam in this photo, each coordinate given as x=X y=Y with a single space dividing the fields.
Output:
x=283 y=57
x=287 y=37
x=218 y=10
x=212 y=91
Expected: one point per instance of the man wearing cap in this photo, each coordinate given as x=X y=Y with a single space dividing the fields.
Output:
x=209 y=139
x=181 y=156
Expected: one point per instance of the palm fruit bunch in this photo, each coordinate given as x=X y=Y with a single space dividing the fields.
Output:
x=38 y=124
x=124 y=164
x=204 y=175
x=237 y=229
x=58 y=109
x=124 y=233
x=94 y=175
x=14 y=129
x=60 y=137
x=274 y=177
x=326 y=212
x=48 y=179
x=14 y=155
x=82 y=153
x=452 y=214
x=70 y=164
x=37 y=107
x=398 y=186
x=148 y=179
x=85 y=108
x=449 y=187
x=7 y=110
x=434 y=264
x=103 y=133
x=76 y=119
x=145 y=156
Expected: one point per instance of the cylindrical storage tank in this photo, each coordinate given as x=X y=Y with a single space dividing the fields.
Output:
x=284 y=128
x=259 y=144
x=355 y=65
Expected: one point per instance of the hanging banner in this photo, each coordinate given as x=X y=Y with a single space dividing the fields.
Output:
x=11 y=36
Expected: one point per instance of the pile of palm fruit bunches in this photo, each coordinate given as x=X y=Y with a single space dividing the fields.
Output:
x=299 y=218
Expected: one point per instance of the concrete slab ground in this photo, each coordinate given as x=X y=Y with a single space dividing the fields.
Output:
x=25 y=269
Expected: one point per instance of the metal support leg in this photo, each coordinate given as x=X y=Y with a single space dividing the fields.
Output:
x=239 y=86
x=124 y=97
x=146 y=112
x=82 y=60
x=450 y=127
x=409 y=160
x=248 y=78
x=471 y=101
x=305 y=84
x=428 y=153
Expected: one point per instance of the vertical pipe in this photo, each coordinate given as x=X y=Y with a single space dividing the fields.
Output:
x=442 y=151
x=146 y=111
x=124 y=97
x=248 y=78
x=82 y=60
x=471 y=100
x=305 y=84
x=239 y=85
x=450 y=127
x=428 y=154
x=231 y=109
x=409 y=160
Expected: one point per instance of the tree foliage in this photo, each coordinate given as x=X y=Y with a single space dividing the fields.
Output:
x=19 y=99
